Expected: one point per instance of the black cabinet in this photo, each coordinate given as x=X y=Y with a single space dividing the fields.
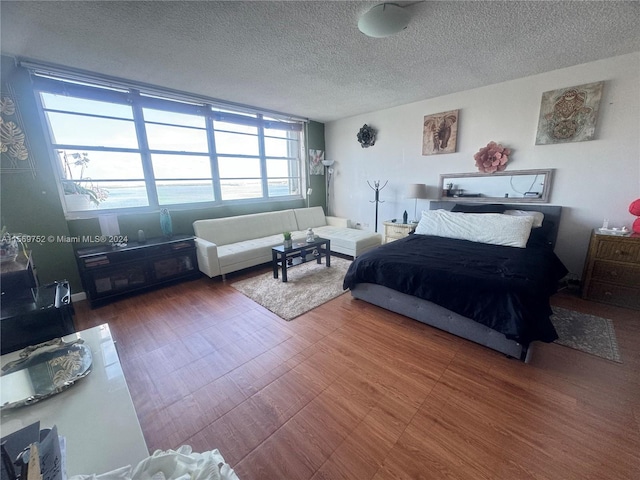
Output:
x=35 y=315
x=18 y=275
x=31 y=314
x=110 y=272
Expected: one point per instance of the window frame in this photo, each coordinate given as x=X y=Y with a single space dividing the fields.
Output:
x=138 y=100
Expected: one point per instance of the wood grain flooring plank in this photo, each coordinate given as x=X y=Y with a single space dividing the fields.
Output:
x=279 y=457
x=351 y=391
x=217 y=398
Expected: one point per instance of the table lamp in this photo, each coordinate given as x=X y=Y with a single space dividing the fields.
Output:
x=417 y=190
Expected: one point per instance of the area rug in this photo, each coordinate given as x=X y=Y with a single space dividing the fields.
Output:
x=587 y=333
x=308 y=286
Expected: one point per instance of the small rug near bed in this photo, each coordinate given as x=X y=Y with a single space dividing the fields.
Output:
x=587 y=333
x=308 y=286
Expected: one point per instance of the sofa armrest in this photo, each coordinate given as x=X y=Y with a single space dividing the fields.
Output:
x=207 y=253
x=337 y=221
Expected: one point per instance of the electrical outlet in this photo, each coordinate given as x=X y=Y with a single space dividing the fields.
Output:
x=366 y=225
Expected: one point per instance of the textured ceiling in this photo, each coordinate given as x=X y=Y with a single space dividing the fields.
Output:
x=308 y=58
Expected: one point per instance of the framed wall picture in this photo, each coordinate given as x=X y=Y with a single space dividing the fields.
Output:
x=569 y=114
x=315 y=162
x=440 y=133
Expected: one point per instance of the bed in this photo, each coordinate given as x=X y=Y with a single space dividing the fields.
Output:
x=494 y=295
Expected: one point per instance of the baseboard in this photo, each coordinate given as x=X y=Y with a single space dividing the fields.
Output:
x=76 y=297
x=571 y=287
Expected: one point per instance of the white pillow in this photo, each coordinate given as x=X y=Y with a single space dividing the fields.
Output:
x=493 y=228
x=538 y=217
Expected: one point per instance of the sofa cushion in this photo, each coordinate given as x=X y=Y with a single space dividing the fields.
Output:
x=349 y=241
x=310 y=217
x=228 y=230
x=248 y=250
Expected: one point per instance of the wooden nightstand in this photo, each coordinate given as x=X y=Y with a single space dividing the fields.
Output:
x=612 y=270
x=394 y=230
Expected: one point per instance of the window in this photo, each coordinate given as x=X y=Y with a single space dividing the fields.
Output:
x=178 y=139
x=283 y=169
x=121 y=148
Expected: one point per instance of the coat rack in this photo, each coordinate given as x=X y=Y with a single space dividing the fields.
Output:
x=376 y=188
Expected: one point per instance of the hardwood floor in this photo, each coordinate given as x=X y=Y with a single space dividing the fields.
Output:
x=351 y=391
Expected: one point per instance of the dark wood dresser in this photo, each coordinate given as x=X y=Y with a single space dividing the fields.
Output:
x=612 y=270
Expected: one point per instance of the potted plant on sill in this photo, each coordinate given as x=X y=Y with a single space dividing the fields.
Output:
x=81 y=193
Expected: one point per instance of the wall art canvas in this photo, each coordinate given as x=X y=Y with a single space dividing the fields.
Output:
x=569 y=114
x=14 y=145
x=440 y=133
x=315 y=162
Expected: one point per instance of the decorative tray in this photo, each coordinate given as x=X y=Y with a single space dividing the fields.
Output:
x=614 y=231
x=42 y=371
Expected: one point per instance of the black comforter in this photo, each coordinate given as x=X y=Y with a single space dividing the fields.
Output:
x=505 y=288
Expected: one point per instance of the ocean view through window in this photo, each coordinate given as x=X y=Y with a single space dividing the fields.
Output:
x=118 y=148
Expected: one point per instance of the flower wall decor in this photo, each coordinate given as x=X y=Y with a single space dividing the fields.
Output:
x=492 y=158
x=367 y=136
x=12 y=138
x=315 y=162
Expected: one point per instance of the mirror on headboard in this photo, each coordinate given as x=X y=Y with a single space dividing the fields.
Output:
x=525 y=186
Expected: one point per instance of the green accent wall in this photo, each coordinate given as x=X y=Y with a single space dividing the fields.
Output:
x=315 y=141
x=30 y=204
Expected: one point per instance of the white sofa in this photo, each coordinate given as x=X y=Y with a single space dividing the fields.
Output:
x=228 y=244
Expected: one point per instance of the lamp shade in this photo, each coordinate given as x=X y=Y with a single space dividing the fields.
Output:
x=384 y=20
x=418 y=190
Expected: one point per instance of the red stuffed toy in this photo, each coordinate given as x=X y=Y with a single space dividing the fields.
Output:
x=634 y=209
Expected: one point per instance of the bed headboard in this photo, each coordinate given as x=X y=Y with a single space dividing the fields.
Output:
x=551 y=213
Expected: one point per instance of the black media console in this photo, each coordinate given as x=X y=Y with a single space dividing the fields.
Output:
x=109 y=272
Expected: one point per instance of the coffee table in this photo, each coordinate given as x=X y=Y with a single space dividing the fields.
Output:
x=300 y=252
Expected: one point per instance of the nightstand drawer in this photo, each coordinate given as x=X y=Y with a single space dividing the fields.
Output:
x=618 y=249
x=624 y=274
x=397 y=232
x=614 y=294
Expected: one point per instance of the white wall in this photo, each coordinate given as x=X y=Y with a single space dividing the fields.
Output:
x=592 y=180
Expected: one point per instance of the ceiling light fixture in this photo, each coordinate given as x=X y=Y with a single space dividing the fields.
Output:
x=384 y=20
